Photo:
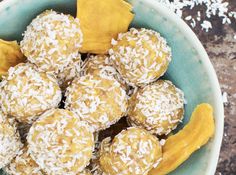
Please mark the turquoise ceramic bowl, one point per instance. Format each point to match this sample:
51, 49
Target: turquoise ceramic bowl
190, 68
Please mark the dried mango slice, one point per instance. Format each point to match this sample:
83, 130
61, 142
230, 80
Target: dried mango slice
102, 20
180, 146
10, 55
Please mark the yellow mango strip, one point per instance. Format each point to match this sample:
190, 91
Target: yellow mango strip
180, 146
102, 20
10, 55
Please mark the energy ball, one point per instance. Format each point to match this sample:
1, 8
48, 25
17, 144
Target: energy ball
71, 71
141, 56
96, 168
52, 41
100, 147
23, 164
9, 140
25, 93
158, 107
132, 151
85, 172
94, 62
60, 143
100, 101
100, 64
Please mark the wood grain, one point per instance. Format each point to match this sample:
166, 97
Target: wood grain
221, 48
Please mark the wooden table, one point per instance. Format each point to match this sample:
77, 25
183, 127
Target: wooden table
221, 48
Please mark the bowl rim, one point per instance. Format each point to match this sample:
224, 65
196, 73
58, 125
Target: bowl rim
219, 108
6, 3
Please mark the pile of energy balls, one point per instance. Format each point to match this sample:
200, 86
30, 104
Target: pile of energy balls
98, 92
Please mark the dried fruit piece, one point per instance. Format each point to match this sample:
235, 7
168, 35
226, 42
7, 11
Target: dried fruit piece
10, 55
181, 145
101, 21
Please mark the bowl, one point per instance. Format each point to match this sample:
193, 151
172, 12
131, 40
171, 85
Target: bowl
190, 69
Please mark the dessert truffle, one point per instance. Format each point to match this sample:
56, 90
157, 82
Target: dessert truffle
23, 164
158, 107
132, 151
72, 70
52, 41
9, 139
100, 101
141, 56
60, 143
25, 93
101, 64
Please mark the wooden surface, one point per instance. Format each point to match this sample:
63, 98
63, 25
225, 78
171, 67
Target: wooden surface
221, 47
222, 52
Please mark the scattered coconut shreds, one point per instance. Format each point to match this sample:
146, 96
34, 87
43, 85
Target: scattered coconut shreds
224, 97
212, 8
162, 142
206, 25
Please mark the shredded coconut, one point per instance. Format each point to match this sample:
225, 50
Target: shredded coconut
100, 100
71, 71
26, 93
60, 143
101, 64
23, 164
141, 56
10, 140
206, 25
162, 142
224, 97
52, 41
218, 8
132, 151
156, 104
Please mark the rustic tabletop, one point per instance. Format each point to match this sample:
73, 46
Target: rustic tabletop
220, 43
222, 52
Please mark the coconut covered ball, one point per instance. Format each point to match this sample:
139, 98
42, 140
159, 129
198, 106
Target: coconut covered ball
23, 164
96, 168
10, 143
25, 93
158, 107
85, 172
60, 143
132, 151
100, 148
52, 41
100, 101
94, 62
100, 64
72, 70
141, 56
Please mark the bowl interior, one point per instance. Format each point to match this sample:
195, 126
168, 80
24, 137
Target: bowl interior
190, 68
